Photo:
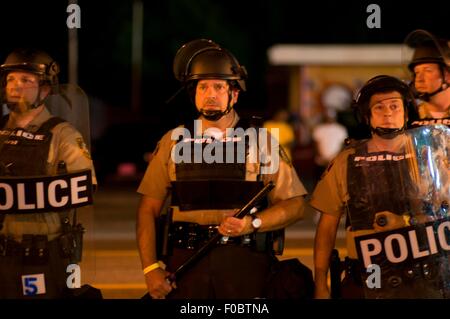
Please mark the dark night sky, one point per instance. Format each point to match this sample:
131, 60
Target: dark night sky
245, 27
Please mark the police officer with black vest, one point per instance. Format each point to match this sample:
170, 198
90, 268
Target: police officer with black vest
394, 180
206, 172
36, 247
430, 69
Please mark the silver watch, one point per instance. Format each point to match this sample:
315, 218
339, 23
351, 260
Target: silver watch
256, 222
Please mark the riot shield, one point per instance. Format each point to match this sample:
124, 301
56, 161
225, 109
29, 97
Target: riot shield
72, 104
46, 196
398, 211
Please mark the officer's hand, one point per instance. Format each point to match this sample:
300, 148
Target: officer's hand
233, 227
157, 285
386, 220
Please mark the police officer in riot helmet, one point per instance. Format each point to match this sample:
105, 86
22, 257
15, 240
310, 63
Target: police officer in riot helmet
382, 104
201, 197
430, 69
28, 78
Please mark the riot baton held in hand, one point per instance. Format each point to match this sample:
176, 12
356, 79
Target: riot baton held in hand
245, 210
212, 242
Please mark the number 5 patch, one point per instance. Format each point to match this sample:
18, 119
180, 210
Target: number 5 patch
33, 284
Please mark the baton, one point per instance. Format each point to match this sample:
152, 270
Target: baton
213, 240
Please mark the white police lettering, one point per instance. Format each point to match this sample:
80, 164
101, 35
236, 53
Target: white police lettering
431, 122
31, 195
76, 189
188, 309
24, 134
382, 158
52, 193
399, 246
9, 197
247, 308
22, 199
263, 147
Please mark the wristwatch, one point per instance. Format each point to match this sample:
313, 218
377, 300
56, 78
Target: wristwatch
256, 222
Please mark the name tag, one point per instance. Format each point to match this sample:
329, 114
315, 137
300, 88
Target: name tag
33, 284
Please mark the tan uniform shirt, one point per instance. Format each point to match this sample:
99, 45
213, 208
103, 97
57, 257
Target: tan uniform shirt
424, 111
331, 194
67, 145
161, 171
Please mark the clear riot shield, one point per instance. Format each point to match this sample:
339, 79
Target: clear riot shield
399, 216
47, 217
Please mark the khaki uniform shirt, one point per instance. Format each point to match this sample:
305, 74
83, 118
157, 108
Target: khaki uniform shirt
161, 171
66, 145
425, 113
330, 195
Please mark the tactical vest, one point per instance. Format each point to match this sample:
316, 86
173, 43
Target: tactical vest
376, 182
24, 153
220, 184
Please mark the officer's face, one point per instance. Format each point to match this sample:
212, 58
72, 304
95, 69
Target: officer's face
212, 95
427, 77
386, 110
22, 88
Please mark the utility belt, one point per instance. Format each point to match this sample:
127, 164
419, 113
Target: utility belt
36, 249
193, 236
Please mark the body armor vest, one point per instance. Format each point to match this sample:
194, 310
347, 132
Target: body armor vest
376, 182
25, 153
220, 184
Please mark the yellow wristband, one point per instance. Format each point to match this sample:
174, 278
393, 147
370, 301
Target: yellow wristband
151, 267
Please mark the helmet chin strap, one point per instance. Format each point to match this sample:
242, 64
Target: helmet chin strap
37, 102
427, 96
387, 133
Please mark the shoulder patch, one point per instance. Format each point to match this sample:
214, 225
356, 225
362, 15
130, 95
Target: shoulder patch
82, 145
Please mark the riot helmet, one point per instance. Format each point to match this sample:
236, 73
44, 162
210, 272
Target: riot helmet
204, 59
426, 48
383, 84
32, 61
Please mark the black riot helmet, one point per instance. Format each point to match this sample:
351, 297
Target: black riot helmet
383, 84
32, 61
426, 48
204, 59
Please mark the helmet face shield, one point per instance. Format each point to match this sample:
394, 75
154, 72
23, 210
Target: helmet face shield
382, 84
29, 61
423, 47
185, 55
33, 61
204, 59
